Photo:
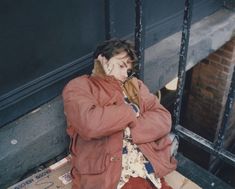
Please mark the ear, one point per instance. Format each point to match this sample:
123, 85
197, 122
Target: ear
102, 60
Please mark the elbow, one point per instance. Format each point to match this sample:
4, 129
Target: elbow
168, 121
86, 129
82, 129
89, 134
86, 134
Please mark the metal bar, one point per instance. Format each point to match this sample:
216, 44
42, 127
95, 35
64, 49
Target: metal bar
109, 19
182, 60
218, 144
205, 144
139, 37
227, 112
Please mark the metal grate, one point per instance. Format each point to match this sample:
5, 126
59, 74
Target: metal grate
215, 148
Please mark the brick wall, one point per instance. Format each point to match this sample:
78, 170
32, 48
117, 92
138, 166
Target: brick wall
208, 93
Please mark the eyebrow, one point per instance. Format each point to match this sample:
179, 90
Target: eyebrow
124, 63
128, 63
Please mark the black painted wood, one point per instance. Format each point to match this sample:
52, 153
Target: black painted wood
39, 38
205, 144
182, 60
200, 176
27, 97
32, 140
109, 19
140, 12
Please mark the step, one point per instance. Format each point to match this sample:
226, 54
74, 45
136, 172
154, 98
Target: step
58, 176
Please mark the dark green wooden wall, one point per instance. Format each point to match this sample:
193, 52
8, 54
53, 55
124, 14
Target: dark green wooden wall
45, 43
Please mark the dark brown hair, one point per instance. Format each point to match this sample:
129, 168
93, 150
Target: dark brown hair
113, 47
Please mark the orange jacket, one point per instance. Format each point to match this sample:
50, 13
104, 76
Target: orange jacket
96, 117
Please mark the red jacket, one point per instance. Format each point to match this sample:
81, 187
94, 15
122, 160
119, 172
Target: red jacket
96, 117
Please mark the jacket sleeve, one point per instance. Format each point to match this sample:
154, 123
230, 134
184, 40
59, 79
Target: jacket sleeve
154, 122
87, 117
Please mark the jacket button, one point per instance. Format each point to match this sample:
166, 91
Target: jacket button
114, 158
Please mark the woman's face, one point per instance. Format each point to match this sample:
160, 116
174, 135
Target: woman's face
118, 66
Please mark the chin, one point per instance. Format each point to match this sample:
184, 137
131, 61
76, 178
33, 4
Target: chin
123, 80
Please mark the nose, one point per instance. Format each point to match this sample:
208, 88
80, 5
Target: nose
126, 73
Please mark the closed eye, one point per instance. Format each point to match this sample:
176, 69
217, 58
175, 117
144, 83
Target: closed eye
121, 66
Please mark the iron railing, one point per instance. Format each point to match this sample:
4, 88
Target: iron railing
215, 148
140, 37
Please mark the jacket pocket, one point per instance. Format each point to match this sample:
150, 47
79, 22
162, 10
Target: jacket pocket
93, 165
92, 157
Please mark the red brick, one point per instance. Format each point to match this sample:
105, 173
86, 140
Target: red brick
232, 41
214, 57
218, 66
226, 69
218, 98
221, 87
205, 61
210, 82
225, 61
209, 71
229, 47
224, 53
207, 94
233, 58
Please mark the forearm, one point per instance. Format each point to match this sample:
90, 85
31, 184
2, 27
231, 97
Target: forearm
151, 126
154, 121
94, 121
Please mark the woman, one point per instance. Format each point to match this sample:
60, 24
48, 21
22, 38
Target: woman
119, 131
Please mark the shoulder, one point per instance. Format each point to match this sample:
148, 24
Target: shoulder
142, 86
77, 84
78, 80
139, 85
137, 81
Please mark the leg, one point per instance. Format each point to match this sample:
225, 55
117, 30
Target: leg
138, 183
